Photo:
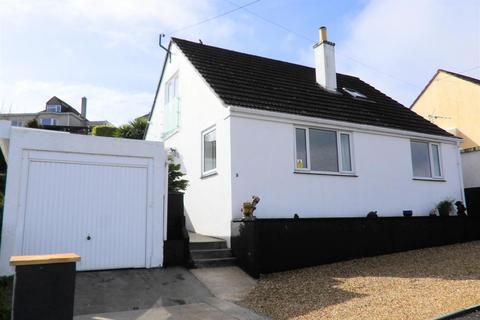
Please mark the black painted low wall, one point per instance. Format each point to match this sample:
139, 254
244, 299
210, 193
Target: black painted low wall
472, 200
272, 245
175, 248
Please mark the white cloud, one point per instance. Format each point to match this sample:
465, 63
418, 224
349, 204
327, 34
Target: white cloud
109, 104
410, 40
131, 27
122, 22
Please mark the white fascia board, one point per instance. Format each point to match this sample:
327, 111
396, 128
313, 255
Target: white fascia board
334, 124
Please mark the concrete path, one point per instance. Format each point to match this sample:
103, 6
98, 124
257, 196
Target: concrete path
212, 309
227, 283
151, 294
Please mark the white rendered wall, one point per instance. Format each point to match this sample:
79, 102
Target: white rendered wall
207, 200
471, 169
263, 158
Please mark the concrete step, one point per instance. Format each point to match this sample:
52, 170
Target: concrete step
211, 263
211, 253
208, 245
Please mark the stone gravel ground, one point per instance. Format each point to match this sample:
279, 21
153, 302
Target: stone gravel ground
419, 284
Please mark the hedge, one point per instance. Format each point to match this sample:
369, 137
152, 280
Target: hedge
105, 131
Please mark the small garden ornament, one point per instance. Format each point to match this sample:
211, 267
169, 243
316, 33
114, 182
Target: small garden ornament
461, 209
372, 215
249, 207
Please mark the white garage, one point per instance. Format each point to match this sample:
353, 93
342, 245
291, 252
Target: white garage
102, 198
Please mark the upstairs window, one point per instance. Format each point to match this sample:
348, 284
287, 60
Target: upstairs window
426, 160
171, 107
320, 150
54, 108
48, 122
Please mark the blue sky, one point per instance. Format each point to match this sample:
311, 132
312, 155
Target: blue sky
107, 50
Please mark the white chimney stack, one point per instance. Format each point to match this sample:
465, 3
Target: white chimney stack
325, 72
84, 108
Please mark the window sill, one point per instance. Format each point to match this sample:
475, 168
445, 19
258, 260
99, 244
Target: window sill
338, 174
208, 174
429, 179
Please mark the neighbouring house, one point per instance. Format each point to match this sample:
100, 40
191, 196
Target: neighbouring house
452, 102
57, 115
307, 141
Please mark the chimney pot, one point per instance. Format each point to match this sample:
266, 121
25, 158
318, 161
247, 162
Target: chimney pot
84, 108
323, 34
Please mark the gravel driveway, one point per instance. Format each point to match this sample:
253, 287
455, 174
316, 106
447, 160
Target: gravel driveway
419, 284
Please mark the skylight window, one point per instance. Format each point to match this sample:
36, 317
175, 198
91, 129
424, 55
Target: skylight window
354, 93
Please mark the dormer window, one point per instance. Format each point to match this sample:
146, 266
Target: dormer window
354, 93
54, 108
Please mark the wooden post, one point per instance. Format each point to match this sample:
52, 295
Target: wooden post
44, 286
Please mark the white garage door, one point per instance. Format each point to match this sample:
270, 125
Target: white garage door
92, 205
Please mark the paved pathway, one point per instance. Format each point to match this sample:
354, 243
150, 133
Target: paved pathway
151, 294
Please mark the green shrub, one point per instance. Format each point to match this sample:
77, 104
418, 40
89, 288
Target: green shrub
6, 284
33, 124
105, 131
176, 183
445, 207
135, 129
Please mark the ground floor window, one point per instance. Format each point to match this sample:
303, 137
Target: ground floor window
323, 150
426, 159
209, 151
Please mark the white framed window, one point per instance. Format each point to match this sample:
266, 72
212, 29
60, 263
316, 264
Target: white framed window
48, 122
16, 123
54, 108
323, 151
209, 151
426, 159
171, 89
171, 115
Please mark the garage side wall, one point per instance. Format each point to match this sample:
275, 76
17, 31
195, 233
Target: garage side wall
102, 198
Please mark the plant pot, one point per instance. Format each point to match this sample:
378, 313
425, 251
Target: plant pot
444, 212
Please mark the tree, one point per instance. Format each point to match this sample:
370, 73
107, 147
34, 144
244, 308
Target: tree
135, 129
175, 181
33, 124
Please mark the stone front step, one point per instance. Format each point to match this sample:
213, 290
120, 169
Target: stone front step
207, 252
218, 262
208, 245
211, 253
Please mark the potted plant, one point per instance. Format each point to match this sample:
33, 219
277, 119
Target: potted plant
445, 207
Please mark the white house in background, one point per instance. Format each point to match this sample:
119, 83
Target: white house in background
305, 140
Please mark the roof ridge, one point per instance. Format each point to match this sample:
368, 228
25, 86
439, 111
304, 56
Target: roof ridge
462, 76
255, 56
